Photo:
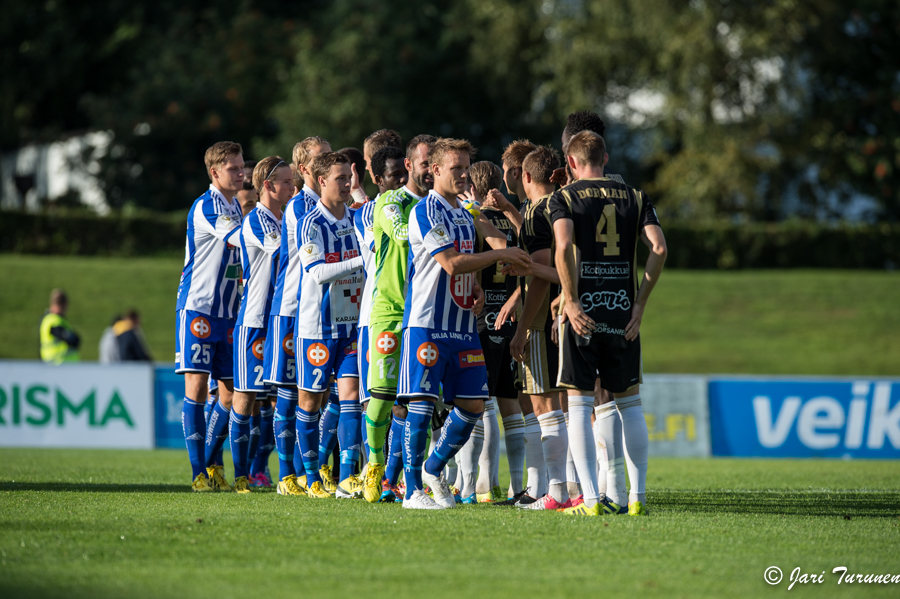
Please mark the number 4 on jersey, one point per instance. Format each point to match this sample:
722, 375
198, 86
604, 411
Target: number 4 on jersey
610, 239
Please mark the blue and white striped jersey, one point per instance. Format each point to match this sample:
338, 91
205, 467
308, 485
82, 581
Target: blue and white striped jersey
260, 245
362, 222
212, 260
329, 310
284, 303
434, 299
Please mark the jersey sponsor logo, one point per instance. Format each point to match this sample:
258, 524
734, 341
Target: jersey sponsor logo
602, 327
201, 328
317, 354
611, 300
605, 270
332, 257
464, 245
428, 354
460, 221
258, 347
495, 297
386, 343
471, 358
353, 294
461, 290
343, 232
287, 344
230, 336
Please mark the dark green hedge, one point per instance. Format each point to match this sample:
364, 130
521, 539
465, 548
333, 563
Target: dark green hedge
707, 246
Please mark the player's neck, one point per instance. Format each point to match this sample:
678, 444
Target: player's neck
415, 189
229, 195
311, 183
520, 192
337, 207
271, 204
590, 172
449, 197
540, 191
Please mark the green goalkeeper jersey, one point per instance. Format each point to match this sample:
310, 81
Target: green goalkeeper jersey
391, 233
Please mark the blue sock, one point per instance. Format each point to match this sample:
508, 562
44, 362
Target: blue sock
298, 454
216, 433
193, 424
285, 429
415, 437
307, 437
240, 443
211, 402
266, 441
328, 428
457, 430
254, 436
394, 455
349, 436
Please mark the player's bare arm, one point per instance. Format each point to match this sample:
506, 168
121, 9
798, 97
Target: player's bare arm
567, 265
496, 200
537, 291
456, 263
509, 309
653, 238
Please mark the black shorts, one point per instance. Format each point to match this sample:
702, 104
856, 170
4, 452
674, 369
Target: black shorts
616, 360
501, 368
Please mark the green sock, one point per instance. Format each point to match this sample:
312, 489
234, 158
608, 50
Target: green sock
377, 420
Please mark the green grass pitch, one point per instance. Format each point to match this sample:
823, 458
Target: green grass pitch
100, 523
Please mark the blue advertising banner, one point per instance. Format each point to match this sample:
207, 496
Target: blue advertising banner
812, 418
169, 395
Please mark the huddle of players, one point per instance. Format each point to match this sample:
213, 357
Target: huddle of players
385, 294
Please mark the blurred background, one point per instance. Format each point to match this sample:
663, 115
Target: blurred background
767, 135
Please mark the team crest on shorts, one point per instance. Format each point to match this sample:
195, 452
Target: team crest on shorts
386, 343
317, 353
428, 354
258, 347
201, 328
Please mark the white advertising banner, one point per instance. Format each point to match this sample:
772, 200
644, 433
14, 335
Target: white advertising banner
676, 408
76, 405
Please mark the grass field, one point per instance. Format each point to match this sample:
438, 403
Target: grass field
755, 322
94, 523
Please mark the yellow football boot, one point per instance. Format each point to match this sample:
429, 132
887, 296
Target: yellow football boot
288, 486
637, 508
372, 482
217, 478
317, 491
241, 485
301, 484
583, 510
327, 480
350, 488
201, 484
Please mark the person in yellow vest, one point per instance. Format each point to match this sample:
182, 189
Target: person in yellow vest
59, 342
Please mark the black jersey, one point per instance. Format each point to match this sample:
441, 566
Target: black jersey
608, 217
537, 235
497, 286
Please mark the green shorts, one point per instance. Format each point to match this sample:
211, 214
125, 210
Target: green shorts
384, 357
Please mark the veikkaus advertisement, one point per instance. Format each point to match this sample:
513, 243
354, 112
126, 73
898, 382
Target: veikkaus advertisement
76, 405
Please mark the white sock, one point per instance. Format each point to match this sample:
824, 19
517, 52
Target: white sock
489, 461
452, 469
467, 458
555, 443
534, 458
514, 437
611, 464
584, 450
571, 472
637, 444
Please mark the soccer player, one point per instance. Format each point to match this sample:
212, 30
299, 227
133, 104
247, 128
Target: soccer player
390, 235
390, 173
377, 141
260, 239
280, 361
440, 343
501, 368
327, 314
596, 223
358, 166
206, 308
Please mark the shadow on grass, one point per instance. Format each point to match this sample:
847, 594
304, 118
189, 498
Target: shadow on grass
794, 503
93, 487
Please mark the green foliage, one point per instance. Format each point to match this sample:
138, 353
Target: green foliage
112, 523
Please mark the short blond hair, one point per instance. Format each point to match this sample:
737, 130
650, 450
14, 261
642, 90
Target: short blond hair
540, 164
302, 153
381, 139
219, 153
445, 145
321, 164
587, 147
516, 152
264, 170
485, 176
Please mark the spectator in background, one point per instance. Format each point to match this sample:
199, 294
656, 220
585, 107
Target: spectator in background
59, 342
109, 347
130, 339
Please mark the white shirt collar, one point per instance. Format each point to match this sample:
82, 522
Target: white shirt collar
328, 215
262, 208
409, 191
443, 200
310, 192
